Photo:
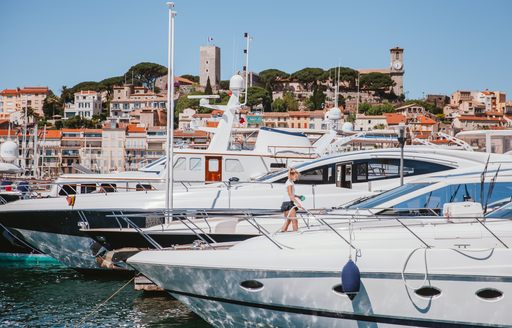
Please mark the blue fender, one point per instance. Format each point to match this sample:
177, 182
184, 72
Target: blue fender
350, 279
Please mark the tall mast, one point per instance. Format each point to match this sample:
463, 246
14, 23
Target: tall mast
170, 111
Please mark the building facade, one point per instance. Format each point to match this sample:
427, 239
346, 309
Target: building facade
17, 100
86, 105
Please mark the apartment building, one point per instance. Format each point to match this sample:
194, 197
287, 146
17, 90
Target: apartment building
16, 100
86, 105
129, 102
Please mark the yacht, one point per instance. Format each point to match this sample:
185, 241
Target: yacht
55, 227
385, 272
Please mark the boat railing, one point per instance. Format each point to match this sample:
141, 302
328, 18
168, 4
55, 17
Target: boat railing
334, 222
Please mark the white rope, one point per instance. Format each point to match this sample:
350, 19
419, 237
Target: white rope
407, 262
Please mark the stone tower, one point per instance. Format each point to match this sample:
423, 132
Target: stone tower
209, 66
396, 70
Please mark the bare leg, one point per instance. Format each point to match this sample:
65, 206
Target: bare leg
286, 222
293, 219
295, 224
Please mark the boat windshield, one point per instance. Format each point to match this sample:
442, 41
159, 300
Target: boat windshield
375, 201
487, 194
504, 212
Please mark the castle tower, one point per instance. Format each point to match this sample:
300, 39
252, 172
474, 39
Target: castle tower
209, 66
396, 70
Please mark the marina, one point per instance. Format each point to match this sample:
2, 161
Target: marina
318, 198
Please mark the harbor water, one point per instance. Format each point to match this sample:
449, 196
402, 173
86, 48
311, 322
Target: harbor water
49, 295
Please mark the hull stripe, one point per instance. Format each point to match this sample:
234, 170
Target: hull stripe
403, 321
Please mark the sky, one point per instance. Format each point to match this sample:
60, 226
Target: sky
449, 44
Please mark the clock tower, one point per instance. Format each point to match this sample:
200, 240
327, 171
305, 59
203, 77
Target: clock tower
396, 70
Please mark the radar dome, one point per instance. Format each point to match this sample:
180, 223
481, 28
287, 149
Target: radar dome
9, 151
236, 83
347, 127
334, 114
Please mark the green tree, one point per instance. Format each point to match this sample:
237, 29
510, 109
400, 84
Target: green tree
224, 85
108, 84
271, 75
68, 95
257, 96
376, 109
52, 105
208, 89
285, 104
76, 122
376, 81
309, 76
146, 73
317, 100
346, 74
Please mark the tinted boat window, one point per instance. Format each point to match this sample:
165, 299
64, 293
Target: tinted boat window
386, 168
319, 175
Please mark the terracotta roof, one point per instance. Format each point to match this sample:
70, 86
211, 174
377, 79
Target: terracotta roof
136, 129
275, 114
9, 92
425, 120
394, 119
182, 80
479, 118
93, 130
362, 117
71, 130
440, 141
198, 115
317, 113
422, 135
86, 92
53, 134
194, 133
298, 113
32, 90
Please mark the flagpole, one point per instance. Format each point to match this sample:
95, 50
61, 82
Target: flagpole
170, 112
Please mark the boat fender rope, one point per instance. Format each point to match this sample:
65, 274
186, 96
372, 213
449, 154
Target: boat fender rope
97, 308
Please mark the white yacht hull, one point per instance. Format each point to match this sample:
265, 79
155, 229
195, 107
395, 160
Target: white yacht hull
296, 293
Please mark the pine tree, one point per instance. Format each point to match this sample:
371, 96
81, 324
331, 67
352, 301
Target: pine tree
208, 89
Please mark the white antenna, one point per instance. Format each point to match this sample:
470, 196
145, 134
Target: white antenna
170, 112
248, 40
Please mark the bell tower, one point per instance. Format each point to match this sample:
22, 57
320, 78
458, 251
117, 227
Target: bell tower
396, 70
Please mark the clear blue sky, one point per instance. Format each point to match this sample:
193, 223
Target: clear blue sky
449, 45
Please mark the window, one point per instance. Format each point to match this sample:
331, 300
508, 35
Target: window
457, 193
385, 168
318, 175
180, 164
213, 165
195, 164
67, 190
233, 165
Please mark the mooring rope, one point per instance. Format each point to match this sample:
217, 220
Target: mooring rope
104, 302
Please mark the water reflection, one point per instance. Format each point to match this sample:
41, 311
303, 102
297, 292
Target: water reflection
53, 296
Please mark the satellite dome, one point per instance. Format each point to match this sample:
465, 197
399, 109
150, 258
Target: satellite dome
347, 127
236, 83
9, 151
334, 114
